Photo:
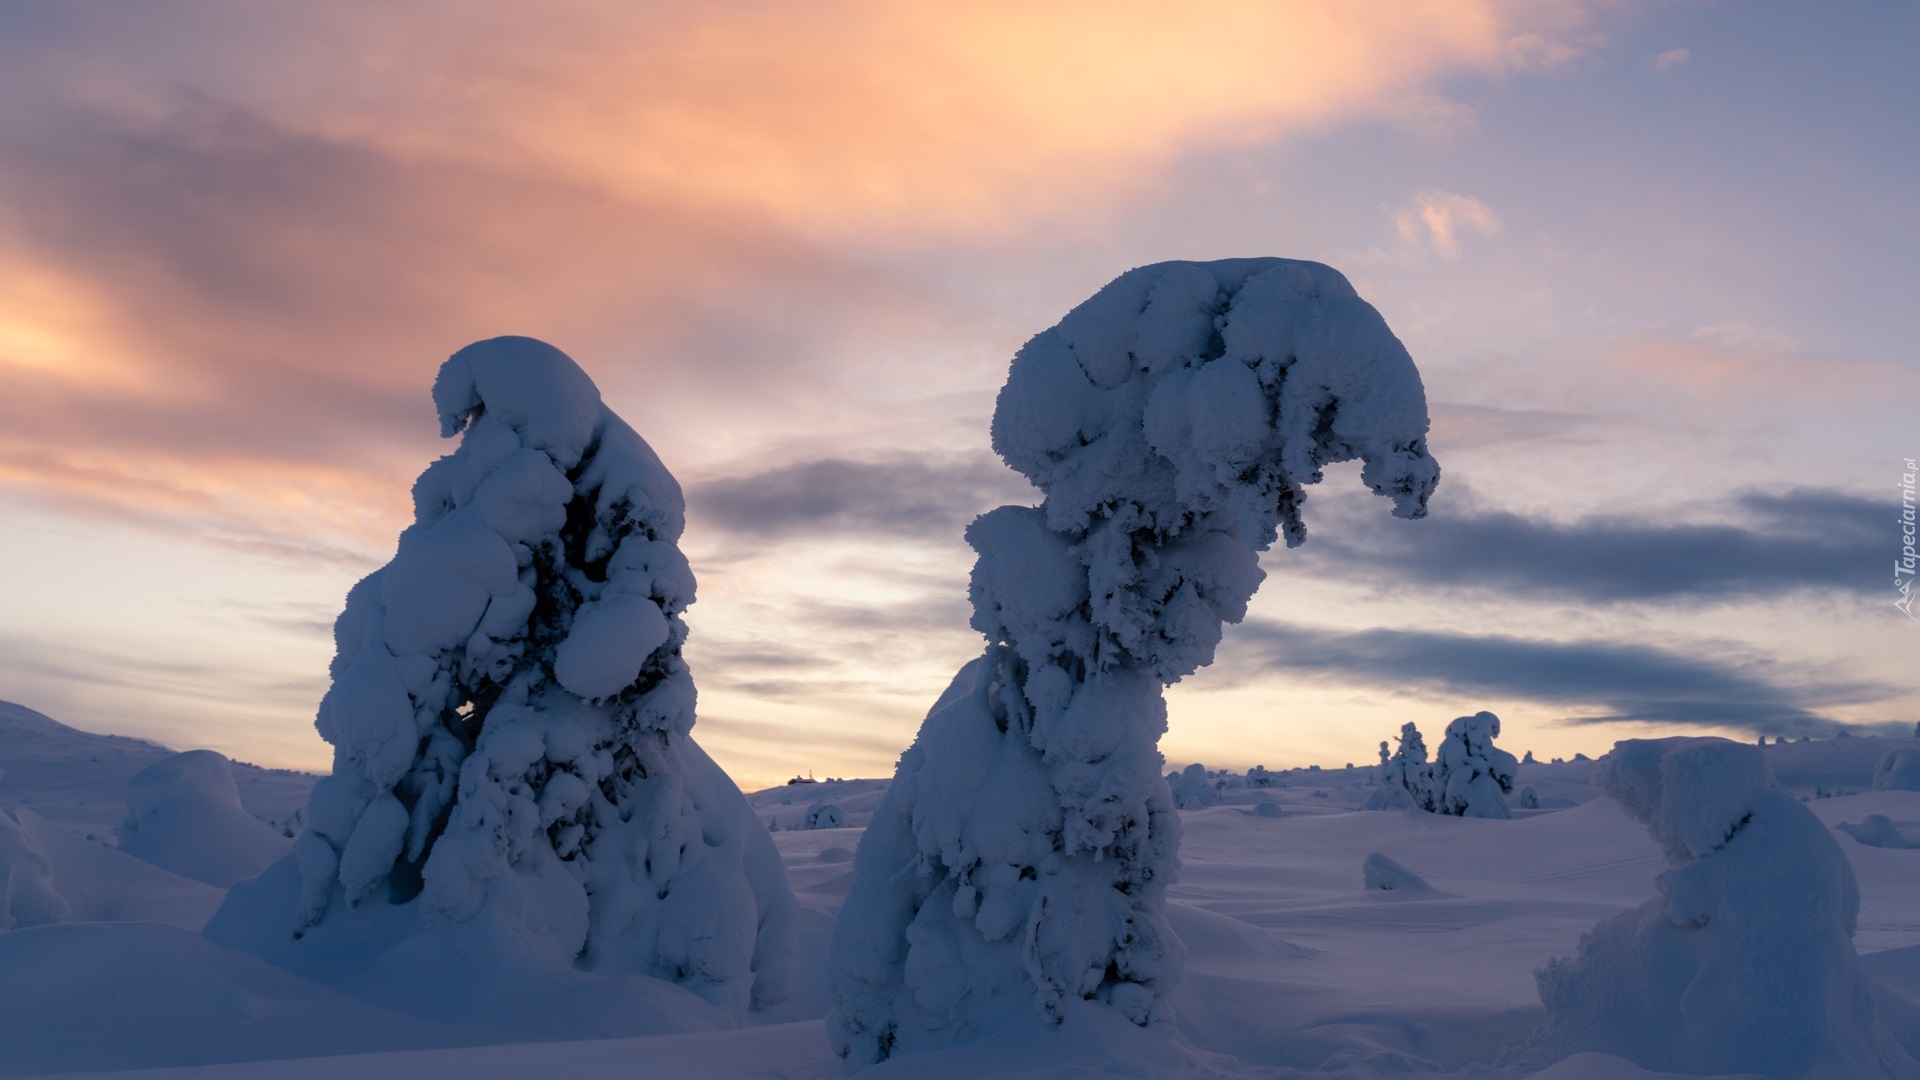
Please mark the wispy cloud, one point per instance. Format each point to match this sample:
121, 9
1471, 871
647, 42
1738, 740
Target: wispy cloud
1587, 682
913, 496
1770, 544
1670, 59
1438, 220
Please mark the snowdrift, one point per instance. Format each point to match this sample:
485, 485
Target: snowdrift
184, 816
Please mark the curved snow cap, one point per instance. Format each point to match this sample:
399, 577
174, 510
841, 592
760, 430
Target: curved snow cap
1243, 377
1692, 794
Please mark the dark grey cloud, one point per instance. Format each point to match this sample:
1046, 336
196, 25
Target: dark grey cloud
919, 497
1594, 681
1775, 542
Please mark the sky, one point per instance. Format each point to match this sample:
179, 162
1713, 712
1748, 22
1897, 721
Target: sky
1654, 260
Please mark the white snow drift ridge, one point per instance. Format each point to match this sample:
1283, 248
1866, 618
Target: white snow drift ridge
1016, 872
517, 809
1744, 962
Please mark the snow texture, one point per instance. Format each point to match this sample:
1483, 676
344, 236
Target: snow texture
184, 816
1744, 961
510, 716
1897, 770
1018, 866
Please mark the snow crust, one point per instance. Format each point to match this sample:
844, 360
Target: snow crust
514, 780
1018, 866
1744, 959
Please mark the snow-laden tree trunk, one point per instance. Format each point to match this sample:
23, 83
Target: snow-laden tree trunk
1018, 865
510, 712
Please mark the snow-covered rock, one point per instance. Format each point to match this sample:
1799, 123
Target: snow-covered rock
1016, 871
184, 816
1744, 960
1897, 770
1379, 872
516, 793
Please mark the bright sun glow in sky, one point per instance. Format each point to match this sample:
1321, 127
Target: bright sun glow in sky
1654, 260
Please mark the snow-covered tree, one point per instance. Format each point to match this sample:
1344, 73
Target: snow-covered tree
1470, 776
1744, 961
1406, 780
511, 716
1017, 868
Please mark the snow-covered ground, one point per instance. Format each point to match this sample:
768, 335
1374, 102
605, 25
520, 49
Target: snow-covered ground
1293, 965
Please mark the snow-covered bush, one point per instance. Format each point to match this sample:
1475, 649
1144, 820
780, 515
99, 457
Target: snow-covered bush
1018, 865
1470, 776
1744, 961
824, 816
27, 896
1897, 770
1192, 789
511, 716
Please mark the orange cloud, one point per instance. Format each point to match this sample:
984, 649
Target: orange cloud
235, 241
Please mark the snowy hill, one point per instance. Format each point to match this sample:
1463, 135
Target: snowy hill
79, 779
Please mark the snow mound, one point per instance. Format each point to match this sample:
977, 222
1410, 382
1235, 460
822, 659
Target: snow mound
1380, 872
1744, 960
1897, 770
516, 794
27, 896
1015, 873
184, 816
101, 884
1876, 830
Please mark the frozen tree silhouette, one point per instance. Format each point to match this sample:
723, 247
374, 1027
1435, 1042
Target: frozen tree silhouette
511, 716
1018, 865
